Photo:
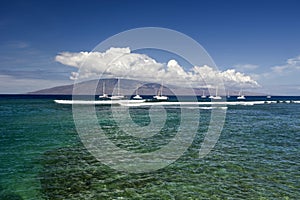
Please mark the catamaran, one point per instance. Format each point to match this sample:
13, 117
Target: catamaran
118, 96
159, 96
215, 97
104, 96
241, 96
137, 96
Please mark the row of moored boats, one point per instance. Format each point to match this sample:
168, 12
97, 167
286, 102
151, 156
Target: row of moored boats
159, 96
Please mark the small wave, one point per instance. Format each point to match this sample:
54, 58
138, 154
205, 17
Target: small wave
137, 103
108, 102
210, 108
205, 108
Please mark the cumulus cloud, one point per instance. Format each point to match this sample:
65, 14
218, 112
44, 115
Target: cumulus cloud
114, 61
230, 77
121, 62
292, 64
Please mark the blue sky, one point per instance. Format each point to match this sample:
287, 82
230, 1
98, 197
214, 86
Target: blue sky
259, 38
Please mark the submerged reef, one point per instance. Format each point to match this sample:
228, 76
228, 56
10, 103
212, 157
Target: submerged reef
73, 173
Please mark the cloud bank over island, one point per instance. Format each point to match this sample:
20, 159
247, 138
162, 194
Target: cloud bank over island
121, 62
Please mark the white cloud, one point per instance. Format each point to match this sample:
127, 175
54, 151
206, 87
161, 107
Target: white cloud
280, 79
230, 77
245, 67
74, 76
291, 65
121, 62
16, 45
115, 61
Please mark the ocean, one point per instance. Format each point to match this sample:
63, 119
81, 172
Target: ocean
257, 155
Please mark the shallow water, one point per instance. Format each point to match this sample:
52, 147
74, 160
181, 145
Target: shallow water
256, 157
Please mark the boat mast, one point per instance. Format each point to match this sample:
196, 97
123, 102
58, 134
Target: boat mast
103, 88
118, 87
240, 93
161, 88
137, 90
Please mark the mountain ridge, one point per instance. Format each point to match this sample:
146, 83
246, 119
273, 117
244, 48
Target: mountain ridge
127, 87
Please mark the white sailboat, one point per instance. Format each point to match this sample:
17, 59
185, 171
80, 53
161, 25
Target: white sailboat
203, 96
137, 96
159, 96
104, 96
228, 94
215, 97
118, 96
241, 96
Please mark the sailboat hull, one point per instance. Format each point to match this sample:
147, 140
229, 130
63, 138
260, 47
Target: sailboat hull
137, 97
160, 98
241, 97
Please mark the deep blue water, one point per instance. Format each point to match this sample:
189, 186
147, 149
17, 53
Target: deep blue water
256, 157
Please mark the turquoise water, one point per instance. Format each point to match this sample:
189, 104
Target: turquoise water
256, 157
